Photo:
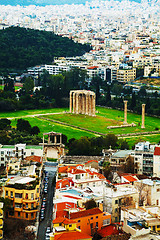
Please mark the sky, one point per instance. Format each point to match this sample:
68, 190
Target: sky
43, 2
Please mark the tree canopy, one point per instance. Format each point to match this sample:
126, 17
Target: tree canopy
21, 48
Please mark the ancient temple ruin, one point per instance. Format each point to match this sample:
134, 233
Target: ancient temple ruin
82, 102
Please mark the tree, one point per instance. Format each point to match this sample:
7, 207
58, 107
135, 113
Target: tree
35, 130
5, 124
133, 101
123, 144
96, 84
28, 85
128, 167
7, 204
90, 204
110, 140
23, 125
106, 169
9, 85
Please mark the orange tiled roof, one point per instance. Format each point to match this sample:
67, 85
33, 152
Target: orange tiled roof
85, 213
65, 182
91, 161
72, 236
130, 178
77, 171
108, 231
63, 220
34, 158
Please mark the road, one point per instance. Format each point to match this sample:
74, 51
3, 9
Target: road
50, 167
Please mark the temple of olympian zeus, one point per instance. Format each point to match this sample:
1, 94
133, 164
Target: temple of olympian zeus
82, 102
143, 114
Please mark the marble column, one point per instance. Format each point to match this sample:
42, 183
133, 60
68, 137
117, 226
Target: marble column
87, 104
94, 104
74, 102
83, 104
77, 103
125, 112
143, 116
71, 101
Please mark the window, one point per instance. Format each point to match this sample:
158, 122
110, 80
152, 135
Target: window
32, 215
79, 227
91, 218
106, 222
26, 205
18, 195
32, 196
97, 224
11, 194
116, 210
6, 193
18, 214
70, 225
77, 177
32, 205
32, 153
26, 215
96, 217
116, 201
91, 225
79, 220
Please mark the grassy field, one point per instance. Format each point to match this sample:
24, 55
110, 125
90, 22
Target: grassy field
47, 126
108, 117
104, 118
24, 113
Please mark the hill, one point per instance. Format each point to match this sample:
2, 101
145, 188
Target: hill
21, 48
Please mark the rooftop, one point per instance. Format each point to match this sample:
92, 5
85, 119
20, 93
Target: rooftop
85, 213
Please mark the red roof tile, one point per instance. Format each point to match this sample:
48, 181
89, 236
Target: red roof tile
108, 230
130, 178
63, 220
66, 182
77, 171
85, 213
157, 151
34, 158
72, 236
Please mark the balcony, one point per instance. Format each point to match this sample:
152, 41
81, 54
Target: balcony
25, 200
29, 210
18, 200
1, 223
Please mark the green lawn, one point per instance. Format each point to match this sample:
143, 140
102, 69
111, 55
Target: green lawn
108, 117
104, 117
47, 126
24, 113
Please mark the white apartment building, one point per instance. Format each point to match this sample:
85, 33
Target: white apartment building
19, 151
143, 158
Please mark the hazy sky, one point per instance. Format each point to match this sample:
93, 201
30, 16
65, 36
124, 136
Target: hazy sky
40, 2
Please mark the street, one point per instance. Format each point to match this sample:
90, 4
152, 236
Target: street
51, 169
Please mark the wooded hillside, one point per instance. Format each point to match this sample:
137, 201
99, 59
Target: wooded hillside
21, 48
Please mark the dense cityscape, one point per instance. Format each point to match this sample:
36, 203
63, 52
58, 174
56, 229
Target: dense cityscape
80, 120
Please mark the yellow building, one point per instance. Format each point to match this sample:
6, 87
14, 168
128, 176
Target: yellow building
1, 220
126, 75
24, 193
